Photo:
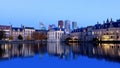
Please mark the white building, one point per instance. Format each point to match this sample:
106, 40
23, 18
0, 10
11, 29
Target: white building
28, 31
55, 34
67, 26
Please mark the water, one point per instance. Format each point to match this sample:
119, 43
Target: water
59, 55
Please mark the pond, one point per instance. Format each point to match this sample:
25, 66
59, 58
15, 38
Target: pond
59, 55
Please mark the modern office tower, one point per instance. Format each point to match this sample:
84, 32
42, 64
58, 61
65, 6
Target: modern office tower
74, 25
60, 24
67, 26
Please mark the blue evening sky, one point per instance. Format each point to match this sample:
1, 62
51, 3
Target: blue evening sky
31, 12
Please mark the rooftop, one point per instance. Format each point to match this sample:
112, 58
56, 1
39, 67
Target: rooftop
29, 27
17, 29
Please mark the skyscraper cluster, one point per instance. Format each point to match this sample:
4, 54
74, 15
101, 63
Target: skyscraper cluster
67, 25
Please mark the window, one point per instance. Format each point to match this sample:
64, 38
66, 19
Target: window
111, 37
106, 33
92, 33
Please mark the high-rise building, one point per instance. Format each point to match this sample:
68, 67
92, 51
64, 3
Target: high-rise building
67, 26
60, 24
74, 25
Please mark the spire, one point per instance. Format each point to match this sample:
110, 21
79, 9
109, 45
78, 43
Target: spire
111, 20
107, 21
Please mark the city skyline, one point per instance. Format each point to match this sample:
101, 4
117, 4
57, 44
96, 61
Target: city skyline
59, 33
30, 13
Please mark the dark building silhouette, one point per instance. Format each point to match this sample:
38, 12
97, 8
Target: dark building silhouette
60, 24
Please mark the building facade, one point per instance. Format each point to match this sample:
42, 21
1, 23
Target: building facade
56, 34
108, 31
28, 31
16, 31
40, 34
74, 25
60, 24
7, 30
67, 26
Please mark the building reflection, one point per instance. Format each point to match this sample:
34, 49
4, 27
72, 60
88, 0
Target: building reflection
58, 49
8, 51
109, 52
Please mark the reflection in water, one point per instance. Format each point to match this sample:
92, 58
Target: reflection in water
109, 52
60, 50
8, 51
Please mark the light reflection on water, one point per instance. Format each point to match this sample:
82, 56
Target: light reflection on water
108, 52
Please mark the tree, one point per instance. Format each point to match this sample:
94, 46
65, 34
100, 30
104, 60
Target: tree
10, 37
2, 35
28, 38
68, 39
95, 40
20, 37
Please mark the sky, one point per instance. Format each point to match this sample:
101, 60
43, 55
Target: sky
31, 12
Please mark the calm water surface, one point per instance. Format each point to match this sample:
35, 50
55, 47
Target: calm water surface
59, 55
